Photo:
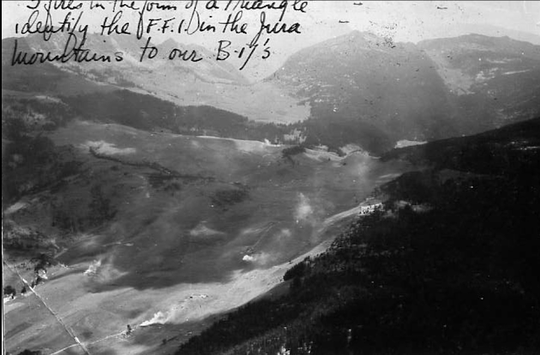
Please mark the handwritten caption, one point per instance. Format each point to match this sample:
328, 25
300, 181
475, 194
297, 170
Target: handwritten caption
246, 29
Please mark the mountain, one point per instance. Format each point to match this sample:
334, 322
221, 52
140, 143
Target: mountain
131, 66
364, 83
144, 202
42, 78
447, 264
493, 80
395, 91
357, 88
184, 82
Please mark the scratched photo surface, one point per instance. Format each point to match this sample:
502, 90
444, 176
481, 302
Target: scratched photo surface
270, 177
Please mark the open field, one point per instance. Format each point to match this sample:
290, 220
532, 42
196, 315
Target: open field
202, 225
261, 101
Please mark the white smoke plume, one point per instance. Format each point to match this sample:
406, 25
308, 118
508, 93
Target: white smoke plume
178, 311
259, 259
303, 211
103, 147
248, 258
158, 318
93, 268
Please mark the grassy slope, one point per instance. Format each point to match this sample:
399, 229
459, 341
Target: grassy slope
169, 238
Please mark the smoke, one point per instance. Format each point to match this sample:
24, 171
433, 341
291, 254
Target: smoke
103, 147
158, 318
303, 211
201, 230
308, 212
248, 258
259, 259
93, 268
284, 234
178, 311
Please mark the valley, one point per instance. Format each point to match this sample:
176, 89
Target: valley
338, 206
180, 247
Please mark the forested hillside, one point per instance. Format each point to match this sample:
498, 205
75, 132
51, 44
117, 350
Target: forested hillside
448, 265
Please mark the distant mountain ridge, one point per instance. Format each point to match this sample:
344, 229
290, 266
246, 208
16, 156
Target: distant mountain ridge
357, 88
205, 82
212, 71
493, 80
436, 89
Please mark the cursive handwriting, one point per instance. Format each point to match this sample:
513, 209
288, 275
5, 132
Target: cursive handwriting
73, 51
260, 5
274, 28
69, 24
72, 22
56, 5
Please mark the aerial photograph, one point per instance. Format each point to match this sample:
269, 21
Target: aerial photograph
287, 177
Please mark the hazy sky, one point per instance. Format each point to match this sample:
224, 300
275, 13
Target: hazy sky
399, 20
